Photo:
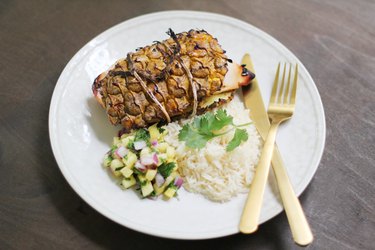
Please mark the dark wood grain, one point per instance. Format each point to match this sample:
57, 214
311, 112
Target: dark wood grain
38, 209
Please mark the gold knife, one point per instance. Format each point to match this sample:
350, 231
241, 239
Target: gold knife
298, 224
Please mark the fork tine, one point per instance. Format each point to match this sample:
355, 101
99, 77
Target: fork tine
274, 88
286, 94
281, 90
294, 89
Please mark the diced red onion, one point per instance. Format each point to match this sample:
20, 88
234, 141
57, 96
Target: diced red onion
155, 158
178, 182
154, 143
121, 152
153, 167
159, 180
138, 145
138, 165
147, 160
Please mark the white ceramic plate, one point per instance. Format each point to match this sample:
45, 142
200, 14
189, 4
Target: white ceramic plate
80, 133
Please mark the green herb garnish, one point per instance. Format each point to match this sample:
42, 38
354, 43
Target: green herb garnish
161, 130
206, 127
130, 145
240, 135
166, 169
136, 171
142, 135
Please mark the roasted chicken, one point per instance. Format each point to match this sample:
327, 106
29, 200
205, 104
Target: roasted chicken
184, 75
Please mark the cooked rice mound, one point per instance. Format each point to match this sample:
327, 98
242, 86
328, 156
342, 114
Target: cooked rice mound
211, 171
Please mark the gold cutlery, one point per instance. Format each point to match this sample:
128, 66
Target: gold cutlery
253, 100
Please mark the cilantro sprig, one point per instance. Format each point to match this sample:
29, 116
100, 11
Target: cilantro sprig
142, 135
166, 169
206, 127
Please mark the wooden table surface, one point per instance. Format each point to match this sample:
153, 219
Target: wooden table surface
334, 39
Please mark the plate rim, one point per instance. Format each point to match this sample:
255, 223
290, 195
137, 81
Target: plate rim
86, 48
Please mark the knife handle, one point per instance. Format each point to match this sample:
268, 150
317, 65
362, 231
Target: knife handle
298, 224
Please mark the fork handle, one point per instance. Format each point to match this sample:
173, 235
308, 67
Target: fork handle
250, 215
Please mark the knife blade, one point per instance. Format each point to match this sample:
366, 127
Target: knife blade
253, 100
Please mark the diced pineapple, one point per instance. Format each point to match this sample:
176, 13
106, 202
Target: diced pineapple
125, 141
130, 159
169, 193
170, 179
130, 136
116, 140
154, 132
116, 166
126, 171
150, 174
158, 190
170, 152
128, 182
176, 164
147, 189
161, 159
123, 136
145, 151
162, 147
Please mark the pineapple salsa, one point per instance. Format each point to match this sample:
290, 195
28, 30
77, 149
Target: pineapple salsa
144, 159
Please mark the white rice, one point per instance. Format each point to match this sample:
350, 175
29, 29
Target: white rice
211, 171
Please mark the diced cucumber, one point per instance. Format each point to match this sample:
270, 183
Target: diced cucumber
116, 166
126, 171
169, 193
154, 132
142, 179
170, 152
147, 189
128, 182
130, 159
162, 147
107, 160
150, 174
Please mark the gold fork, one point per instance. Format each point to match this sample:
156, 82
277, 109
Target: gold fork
281, 108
